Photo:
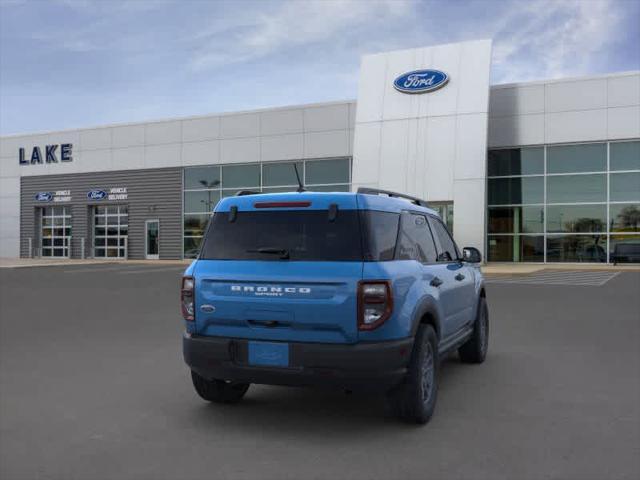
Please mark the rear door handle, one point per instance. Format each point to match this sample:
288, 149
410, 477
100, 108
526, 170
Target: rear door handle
435, 282
459, 277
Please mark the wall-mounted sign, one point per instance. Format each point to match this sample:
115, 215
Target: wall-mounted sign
97, 195
50, 154
420, 81
118, 193
57, 196
44, 196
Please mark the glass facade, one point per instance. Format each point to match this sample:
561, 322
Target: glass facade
205, 186
55, 233
564, 203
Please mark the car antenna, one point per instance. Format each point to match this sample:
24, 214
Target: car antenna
300, 185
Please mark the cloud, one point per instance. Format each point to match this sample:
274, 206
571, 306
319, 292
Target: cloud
550, 39
288, 25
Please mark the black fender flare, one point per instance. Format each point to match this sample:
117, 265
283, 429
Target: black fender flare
427, 306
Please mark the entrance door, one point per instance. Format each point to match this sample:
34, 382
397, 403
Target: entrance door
152, 239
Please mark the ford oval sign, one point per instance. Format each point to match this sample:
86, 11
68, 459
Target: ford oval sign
44, 196
420, 81
97, 195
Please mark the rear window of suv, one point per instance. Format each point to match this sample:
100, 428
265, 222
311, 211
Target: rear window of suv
306, 235
303, 235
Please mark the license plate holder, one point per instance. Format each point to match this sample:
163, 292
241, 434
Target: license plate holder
268, 354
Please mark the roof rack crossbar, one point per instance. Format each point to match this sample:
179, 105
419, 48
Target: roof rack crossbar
377, 191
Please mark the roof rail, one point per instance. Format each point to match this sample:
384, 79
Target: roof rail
242, 193
377, 191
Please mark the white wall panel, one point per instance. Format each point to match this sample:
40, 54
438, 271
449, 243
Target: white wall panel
158, 156
95, 138
201, 153
326, 117
128, 158
366, 153
475, 64
576, 95
282, 147
624, 90
9, 167
9, 146
393, 155
240, 150
623, 122
9, 187
278, 122
128, 136
240, 125
585, 125
471, 146
371, 88
469, 213
163, 132
440, 148
516, 130
518, 100
326, 144
199, 129
96, 160
443, 101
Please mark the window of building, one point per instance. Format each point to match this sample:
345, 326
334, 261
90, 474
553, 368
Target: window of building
516, 161
205, 186
55, 233
583, 207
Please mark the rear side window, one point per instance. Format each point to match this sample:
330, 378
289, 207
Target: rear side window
380, 233
414, 240
447, 248
305, 235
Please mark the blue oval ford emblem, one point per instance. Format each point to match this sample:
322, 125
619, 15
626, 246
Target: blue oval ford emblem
97, 195
420, 81
44, 196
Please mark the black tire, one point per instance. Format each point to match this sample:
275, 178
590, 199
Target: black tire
475, 349
415, 399
218, 391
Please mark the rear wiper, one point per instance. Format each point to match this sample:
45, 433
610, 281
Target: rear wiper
284, 253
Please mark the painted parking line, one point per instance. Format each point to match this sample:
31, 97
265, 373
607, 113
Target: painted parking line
580, 278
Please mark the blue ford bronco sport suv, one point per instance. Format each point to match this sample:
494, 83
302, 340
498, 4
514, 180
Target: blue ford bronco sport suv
353, 290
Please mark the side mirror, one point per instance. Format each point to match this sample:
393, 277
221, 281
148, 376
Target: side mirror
471, 255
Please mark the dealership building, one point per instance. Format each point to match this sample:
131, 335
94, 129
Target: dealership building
544, 171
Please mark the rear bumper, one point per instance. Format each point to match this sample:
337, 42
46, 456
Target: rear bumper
378, 365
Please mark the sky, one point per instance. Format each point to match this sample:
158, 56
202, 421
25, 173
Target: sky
79, 63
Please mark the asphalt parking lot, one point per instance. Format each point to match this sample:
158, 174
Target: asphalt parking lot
92, 386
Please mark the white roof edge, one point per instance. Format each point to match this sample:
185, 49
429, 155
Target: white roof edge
566, 79
180, 119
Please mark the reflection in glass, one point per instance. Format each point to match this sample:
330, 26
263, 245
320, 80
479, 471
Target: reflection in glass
516, 191
194, 225
202, 201
515, 248
624, 187
624, 155
576, 218
201, 177
516, 161
327, 171
576, 248
624, 249
624, 217
241, 176
516, 219
591, 157
279, 174
576, 188
192, 246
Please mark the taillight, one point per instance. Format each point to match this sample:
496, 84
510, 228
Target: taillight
187, 298
375, 303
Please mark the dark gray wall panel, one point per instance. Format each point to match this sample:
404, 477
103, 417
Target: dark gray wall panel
153, 193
